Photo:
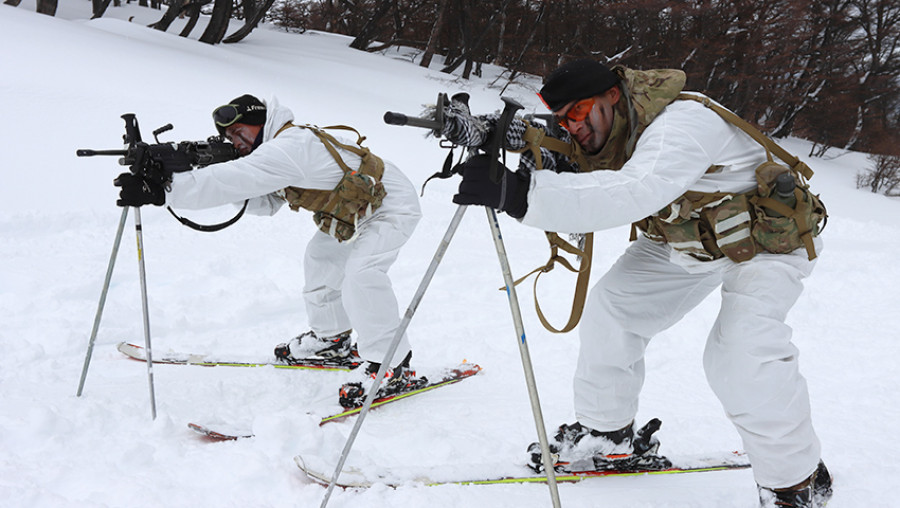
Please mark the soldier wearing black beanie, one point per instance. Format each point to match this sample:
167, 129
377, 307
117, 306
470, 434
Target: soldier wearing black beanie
576, 80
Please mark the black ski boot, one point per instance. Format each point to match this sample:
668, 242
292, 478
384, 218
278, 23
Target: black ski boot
308, 345
400, 379
814, 492
579, 448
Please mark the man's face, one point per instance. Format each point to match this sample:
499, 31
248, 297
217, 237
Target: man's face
242, 136
592, 130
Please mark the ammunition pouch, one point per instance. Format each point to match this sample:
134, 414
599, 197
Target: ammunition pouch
709, 226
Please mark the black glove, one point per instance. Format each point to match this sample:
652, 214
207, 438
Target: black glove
137, 192
510, 195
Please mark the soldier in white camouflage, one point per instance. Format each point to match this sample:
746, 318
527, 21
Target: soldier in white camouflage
639, 150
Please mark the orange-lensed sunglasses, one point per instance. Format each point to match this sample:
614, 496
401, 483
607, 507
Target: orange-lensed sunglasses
576, 113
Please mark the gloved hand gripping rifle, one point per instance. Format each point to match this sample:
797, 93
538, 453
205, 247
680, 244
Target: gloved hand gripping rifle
490, 134
492, 147
155, 163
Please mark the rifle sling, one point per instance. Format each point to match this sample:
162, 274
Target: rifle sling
581, 284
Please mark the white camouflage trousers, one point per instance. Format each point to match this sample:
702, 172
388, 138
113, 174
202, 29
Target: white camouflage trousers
750, 362
347, 285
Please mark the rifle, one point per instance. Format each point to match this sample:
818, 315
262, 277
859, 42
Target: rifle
164, 158
157, 162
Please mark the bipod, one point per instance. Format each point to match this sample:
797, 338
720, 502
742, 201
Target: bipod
496, 171
144, 306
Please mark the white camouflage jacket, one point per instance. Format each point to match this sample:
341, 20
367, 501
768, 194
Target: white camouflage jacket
295, 158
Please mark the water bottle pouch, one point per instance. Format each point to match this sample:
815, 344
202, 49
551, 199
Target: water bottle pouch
781, 227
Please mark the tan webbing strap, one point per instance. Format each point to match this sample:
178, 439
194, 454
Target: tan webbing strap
284, 128
329, 142
581, 284
535, 139
753, 132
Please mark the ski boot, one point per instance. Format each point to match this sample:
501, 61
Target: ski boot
308, 345
578, 448
814, 492
398, 380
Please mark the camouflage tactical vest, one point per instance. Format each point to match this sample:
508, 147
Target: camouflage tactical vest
359, 192
712, 225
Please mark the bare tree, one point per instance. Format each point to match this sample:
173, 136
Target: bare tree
176, 7
98, 8
250, 21
435, 32
218, 22
46, 7
472, 42
369, 30
878, 65
884, 176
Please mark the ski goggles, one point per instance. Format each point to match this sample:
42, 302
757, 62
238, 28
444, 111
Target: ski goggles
226, 115
577, 113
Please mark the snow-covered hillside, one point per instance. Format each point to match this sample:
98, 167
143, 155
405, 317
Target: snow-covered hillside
65, 81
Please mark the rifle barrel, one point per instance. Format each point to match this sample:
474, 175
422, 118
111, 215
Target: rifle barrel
393, 118
86, 152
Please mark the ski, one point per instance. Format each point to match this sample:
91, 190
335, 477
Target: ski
318, 471
174, 358
219, 435
450, 376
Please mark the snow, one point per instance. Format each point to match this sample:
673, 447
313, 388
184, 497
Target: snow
65, 82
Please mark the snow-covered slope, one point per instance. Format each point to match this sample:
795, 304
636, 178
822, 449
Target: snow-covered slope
65, 82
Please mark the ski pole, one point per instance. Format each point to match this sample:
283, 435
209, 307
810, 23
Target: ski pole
102, 303
144, 306
526, 357
401, 329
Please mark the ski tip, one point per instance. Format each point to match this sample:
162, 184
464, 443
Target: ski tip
317, 477
132, 351
217, 435
467, 369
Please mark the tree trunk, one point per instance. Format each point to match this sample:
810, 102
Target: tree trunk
248, 9
250, 23
370, 29
47, 7
169, 16
435, 33
218, 22
474, 45
14, 3
98, 8
193, 10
